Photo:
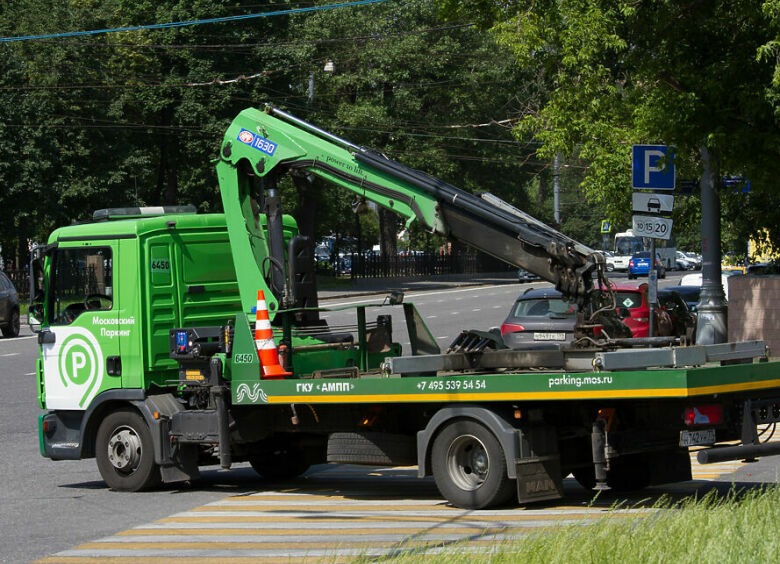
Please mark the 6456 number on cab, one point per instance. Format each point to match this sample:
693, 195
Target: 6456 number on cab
653, 227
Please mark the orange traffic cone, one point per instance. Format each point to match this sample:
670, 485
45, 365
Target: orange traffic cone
264, 341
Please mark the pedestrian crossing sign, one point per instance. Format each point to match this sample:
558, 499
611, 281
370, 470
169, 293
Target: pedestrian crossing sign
606, 226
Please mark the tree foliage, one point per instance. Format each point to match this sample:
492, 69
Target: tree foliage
679, 72
134, 118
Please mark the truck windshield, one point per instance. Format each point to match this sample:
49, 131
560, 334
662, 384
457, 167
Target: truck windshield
82, 281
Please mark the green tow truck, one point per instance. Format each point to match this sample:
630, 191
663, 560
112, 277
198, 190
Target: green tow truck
147, 320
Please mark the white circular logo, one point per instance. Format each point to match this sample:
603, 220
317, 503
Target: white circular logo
81, 364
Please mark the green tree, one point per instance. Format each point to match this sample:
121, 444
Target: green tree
684, 73
422, 91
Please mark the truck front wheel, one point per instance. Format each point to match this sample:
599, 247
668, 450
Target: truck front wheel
124, 452
469, 466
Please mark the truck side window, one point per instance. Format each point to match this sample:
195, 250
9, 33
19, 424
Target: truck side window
83, 281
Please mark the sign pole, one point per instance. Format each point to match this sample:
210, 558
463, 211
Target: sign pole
652, 289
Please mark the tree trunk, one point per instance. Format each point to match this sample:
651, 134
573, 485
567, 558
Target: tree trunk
388, 244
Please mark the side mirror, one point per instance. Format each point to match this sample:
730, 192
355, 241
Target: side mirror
34, 317
396, 297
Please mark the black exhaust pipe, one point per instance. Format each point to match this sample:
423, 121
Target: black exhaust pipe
721, 454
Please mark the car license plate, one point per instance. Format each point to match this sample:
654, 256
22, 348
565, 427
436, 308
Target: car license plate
693, 438
539, 336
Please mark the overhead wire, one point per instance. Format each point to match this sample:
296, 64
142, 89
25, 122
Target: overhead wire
192, 22
228, 46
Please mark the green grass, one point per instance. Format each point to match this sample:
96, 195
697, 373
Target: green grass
333, 283
738, 527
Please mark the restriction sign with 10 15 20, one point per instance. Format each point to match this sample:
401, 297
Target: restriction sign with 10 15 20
653, 227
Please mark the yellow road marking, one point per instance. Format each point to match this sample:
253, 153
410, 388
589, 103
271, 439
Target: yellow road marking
387, 510
185, 560
321, 532
384, 518
215, 545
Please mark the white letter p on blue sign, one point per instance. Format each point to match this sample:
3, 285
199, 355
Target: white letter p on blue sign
653, 167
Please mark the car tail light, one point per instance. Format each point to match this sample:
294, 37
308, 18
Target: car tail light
642, 319
631, 263
703, 415
511, 328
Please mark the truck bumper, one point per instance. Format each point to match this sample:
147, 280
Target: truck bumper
60, 434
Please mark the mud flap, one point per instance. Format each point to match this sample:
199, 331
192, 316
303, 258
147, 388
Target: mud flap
185, 466
538, 466
179, 462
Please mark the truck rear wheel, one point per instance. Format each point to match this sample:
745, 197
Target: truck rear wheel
279, 462
469, 466
124, 452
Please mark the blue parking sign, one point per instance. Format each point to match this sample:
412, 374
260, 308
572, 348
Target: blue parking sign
653, 167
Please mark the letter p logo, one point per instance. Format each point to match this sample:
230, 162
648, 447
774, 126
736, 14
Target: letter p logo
653, 160
653, 167
79, 360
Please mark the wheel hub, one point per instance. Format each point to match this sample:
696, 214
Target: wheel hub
124, 449
468, 463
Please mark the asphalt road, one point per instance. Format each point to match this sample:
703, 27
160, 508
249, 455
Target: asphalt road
48, 507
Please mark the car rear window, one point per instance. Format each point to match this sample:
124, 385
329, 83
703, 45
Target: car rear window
631, 300
544, 307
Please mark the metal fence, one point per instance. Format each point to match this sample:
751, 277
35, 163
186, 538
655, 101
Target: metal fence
372, 265
365, 265
21, 279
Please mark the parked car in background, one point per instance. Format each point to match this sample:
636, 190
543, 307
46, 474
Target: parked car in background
9, 307
539, 315
634, 311
689, 294
733, 268
525, 276
683, 319
609, 257
321, 253
763, 268
695, 260
696, 280
639, 265
682, 262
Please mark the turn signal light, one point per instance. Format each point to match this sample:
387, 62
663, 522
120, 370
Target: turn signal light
703, 415
511, 328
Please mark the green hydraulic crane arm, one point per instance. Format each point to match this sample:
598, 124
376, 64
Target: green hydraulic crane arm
266, 143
